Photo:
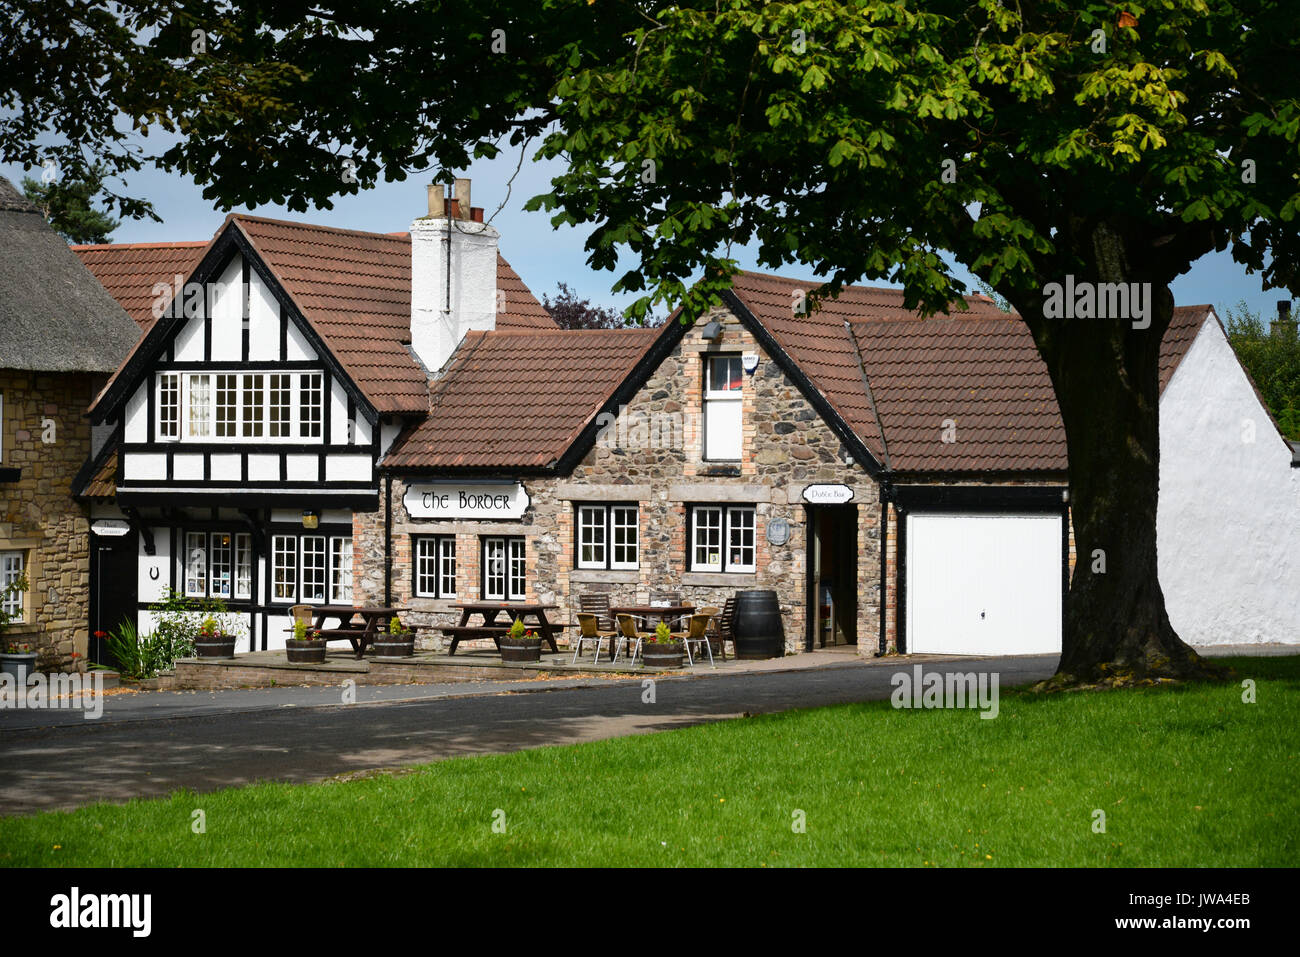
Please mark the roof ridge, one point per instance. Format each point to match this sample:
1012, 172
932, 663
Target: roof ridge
248, 217
815, 282
176, 244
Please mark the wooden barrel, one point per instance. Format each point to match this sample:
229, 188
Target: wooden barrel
756, 625
655, 654
521, 649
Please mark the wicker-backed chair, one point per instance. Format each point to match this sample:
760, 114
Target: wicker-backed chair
597, 603
303, 613
628, 635
589, 630
695, 635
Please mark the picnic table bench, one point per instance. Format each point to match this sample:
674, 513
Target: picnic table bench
490, 610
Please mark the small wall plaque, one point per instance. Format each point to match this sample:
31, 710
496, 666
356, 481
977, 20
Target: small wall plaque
778, 531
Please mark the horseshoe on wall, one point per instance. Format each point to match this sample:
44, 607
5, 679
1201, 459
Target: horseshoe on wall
153, 573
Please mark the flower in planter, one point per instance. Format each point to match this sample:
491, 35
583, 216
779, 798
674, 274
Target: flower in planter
209, 629
19, 648
663, 635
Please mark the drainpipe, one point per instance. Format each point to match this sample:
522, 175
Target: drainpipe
388, 540
884, 550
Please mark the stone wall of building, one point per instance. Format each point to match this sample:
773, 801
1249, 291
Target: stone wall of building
46, 436
652, 456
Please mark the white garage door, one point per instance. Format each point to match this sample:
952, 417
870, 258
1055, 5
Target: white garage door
983, 584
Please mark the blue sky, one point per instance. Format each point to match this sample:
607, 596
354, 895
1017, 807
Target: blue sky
540, 254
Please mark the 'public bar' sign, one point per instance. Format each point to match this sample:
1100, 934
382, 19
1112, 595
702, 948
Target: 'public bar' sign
498, 500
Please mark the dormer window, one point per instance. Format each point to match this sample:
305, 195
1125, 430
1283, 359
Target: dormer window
238, 406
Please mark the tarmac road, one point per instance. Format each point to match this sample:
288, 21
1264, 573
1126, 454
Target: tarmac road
57, 760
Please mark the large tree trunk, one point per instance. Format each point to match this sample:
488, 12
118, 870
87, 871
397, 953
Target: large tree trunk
1106, 376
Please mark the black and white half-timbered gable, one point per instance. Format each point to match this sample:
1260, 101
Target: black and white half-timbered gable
277, 364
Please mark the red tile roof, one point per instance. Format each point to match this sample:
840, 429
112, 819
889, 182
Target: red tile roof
519, 399
353, 287
818, 342
129, 270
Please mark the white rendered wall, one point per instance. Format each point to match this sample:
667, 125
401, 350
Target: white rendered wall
263, 320
1228, 526
227, 303
435, 332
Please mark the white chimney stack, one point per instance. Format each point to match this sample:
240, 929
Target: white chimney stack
453, 275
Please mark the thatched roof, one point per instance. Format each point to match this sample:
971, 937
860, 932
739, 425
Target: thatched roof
54, 315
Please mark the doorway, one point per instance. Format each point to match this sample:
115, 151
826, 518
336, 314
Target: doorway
112, 590
832, 576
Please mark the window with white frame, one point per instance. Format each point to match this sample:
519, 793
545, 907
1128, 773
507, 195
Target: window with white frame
278, 415
435, 566
226, 405
504, 569
234, 406
723, 394
310, 405
284, 567
608, 536
12, 565
253, 412
723, 538
243, 566
308, 568
313, 568
218, 565
169, 406
198, 398
340, 569
196, 564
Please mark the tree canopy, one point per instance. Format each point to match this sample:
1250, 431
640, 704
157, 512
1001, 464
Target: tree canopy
68, 207
1081, 145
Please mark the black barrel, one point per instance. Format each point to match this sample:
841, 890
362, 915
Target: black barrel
756, 625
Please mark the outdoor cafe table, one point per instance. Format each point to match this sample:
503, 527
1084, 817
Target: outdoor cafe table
513, 609
374, 621
660, 612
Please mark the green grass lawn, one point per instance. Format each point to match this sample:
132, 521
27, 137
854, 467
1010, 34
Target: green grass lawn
1187, 777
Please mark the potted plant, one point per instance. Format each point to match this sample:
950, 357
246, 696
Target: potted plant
398, 643
19, 660
211, 642
306, 647
521, 644
663, 649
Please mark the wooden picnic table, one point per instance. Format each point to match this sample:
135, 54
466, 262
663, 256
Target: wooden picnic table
490, 610
374, 622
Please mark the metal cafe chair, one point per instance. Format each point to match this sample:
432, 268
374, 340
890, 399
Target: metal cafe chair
713, 632
628, 635
589, 630
597, 603
696, 636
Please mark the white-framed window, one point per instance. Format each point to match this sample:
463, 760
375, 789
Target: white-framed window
340, 569
198, 399
253, 409
284, 567
311, 405
279, 423
221, 564
723, 395
313, 568
435, 566
226, 405
237, 406
243, 565
723, 538
505, 568
169, 406
12, 565
196, 564
218, 565
608, 536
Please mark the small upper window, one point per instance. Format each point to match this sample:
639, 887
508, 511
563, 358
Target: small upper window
723, 394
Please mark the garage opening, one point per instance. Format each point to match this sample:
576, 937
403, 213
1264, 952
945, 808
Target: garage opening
832, 576
983, 583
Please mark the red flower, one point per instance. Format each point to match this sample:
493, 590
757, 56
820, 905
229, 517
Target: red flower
101, 634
